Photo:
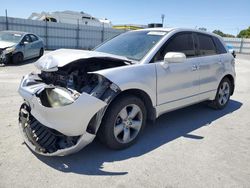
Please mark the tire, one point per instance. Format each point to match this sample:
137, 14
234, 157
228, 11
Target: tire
223, 94
17, 58
41, 52
118, 130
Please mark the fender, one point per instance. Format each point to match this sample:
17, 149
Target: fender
133, 77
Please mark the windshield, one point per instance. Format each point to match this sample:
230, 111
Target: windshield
10, 37
133, 45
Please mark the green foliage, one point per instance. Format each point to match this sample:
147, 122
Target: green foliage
218, 32
245, 33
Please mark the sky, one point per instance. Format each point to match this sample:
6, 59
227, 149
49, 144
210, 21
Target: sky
226, 15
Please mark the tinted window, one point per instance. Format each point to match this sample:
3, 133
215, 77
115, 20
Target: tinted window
26, 38
33, 38
180, 43
206, 44
219, 46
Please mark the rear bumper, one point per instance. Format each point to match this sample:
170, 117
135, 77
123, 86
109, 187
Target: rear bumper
70, 121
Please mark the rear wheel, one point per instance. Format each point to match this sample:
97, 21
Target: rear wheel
223, 94
17, 58
123, 122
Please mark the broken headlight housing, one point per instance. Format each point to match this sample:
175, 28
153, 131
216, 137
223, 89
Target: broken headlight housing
58, 97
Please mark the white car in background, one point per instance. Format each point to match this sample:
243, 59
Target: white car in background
112, 90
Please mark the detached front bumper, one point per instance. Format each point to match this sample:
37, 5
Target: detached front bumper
65, 127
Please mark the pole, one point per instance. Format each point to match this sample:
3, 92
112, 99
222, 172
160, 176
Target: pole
162, 19
241, 45
46, 32
102, 31
6, 17
77, 34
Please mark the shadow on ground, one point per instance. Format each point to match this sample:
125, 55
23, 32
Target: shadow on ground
20, 64
168, 127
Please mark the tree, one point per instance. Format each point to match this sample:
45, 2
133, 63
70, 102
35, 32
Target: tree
202, 28
218, 32
245, 33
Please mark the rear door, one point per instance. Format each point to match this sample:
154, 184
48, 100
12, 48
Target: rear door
210, 62
27, 47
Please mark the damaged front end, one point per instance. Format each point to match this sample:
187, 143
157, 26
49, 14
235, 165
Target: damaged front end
63, 108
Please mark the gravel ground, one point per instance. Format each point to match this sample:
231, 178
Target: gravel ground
192, 147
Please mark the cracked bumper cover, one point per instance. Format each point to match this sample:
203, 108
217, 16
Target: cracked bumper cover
70, 120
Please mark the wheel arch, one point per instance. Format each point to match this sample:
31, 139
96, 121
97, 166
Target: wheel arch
151, 112
232, 80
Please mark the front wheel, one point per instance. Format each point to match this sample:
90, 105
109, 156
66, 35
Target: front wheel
222, 95
123, 122
17, 58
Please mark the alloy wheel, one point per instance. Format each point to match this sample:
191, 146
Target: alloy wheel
128, 123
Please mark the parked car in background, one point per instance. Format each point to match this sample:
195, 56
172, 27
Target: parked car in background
111, 91
16, 46
231, 50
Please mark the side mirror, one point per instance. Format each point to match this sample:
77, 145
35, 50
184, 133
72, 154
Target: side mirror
24, 43
174, 57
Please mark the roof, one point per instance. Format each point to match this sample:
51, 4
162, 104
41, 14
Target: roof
169, 29
16, 32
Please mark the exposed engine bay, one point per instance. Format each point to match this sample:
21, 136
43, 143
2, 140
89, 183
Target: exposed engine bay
63, 88
77, 75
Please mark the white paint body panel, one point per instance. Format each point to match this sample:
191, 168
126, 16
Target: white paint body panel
139, 76
62, 57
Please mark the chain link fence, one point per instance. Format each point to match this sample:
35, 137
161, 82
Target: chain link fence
241, 45
60, 35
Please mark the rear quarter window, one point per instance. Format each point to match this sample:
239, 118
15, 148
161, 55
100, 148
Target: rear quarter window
220, 48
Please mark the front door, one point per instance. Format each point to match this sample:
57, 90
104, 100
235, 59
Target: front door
27, 47
178, 84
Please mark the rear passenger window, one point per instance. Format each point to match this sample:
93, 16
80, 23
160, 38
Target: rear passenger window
207, 46
220, 48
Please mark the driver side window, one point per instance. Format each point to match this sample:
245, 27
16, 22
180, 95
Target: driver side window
26, 38
181, 42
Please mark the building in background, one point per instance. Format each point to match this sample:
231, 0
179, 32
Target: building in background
71, 17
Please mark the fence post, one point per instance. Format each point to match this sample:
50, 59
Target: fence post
46, 33
6, 17
77, 34
102, 32
241, 45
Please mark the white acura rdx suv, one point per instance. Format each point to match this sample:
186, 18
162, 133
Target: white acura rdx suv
112, 90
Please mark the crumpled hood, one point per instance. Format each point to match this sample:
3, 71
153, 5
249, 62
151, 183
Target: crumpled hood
59, 58
5, 44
